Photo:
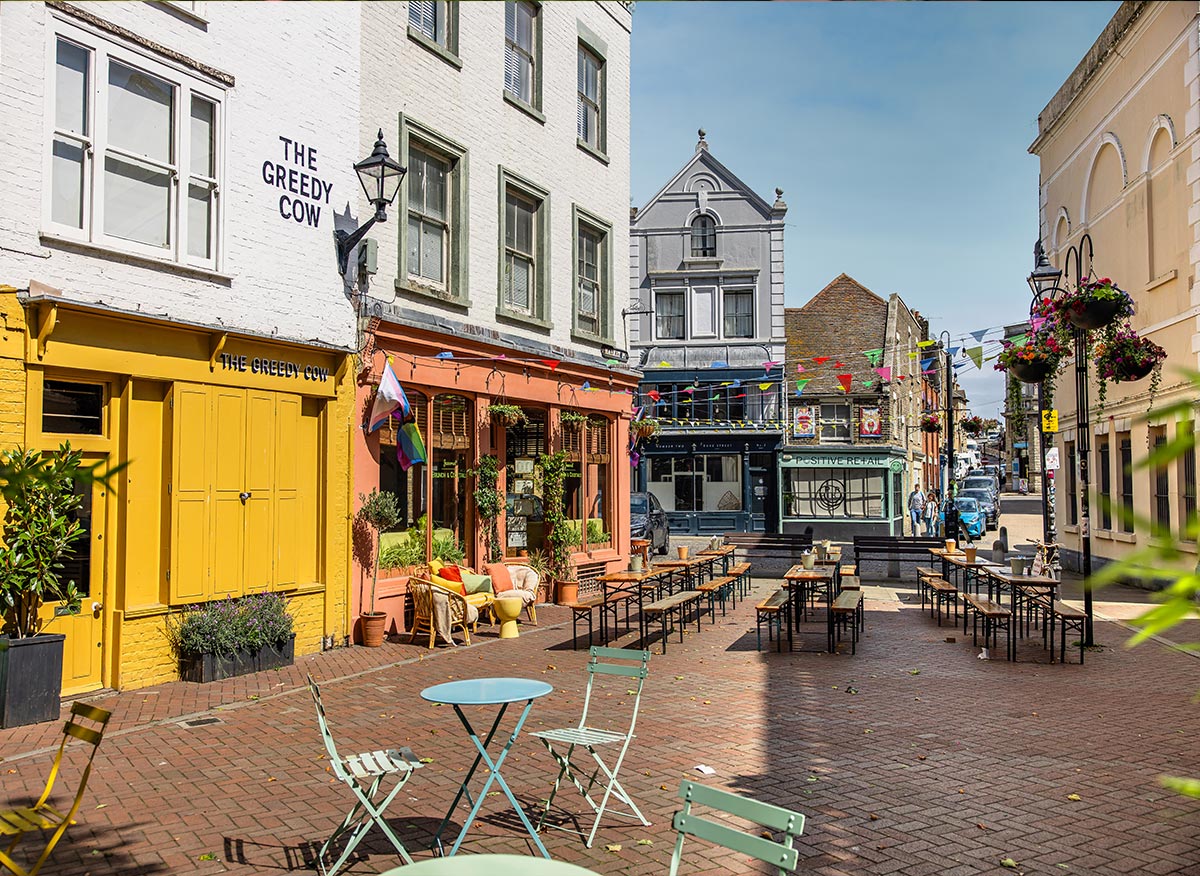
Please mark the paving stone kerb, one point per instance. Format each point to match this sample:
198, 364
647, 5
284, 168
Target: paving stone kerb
912, 757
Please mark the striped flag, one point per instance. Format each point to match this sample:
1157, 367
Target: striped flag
389, 399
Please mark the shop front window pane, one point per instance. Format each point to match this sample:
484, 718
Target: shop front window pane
838, 493
72, 408
451, 456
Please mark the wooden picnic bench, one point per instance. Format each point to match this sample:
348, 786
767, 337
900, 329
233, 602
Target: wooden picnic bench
719, 588
1071, 617
846, 610
942, 592
773, 612
580, 610
995, 617
741, 571
772, 553
893, 549
674, 606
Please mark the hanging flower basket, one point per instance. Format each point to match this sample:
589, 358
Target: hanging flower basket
931, 423
1035, 370
1126, 357
972, 425
506, 415
645, 428
572, 421
1098, 303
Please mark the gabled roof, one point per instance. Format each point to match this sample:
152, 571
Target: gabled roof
841, 321
841, 285
704, 156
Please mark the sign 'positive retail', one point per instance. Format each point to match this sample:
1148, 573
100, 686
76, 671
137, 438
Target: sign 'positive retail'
296, 176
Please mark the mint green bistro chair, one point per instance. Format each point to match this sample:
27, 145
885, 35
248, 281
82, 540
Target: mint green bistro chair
775, 818
364, 774
572, 742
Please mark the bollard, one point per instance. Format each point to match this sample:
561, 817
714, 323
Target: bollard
1002, 534
998, 552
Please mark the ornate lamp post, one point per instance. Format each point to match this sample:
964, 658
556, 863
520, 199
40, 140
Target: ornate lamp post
380, 176
1044, 283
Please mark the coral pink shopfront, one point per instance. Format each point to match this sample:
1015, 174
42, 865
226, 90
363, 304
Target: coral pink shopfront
450, 383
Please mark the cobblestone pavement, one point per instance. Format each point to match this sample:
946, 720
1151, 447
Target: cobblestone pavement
912, 757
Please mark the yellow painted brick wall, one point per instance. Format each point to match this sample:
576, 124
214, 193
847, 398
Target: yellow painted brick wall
12, 371
339, 466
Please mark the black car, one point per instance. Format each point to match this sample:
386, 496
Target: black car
987, 502
648, 520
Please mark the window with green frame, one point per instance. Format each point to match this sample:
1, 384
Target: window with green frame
524, 271
593, 276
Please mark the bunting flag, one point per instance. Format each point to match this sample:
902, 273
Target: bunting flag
737, 383
976, 355
927, 364
611, 362
912, 354
799, 369
820, 360
765, 385
445, 354
845, 380
978, 336
389, 399
885, 372
550, 363
664, 364
800, 384
689, 390
954, 351
933, 370
839, 364
868, 383
719, 365
587, 385
410, 449
654, 394
875, 357
770, 365
924, 344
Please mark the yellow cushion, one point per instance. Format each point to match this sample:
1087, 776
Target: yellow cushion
447, 584
435, 566
479, 600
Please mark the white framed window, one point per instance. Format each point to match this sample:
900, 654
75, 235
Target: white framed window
520, 50
590, 247
704, 237
589, 109
428, 217
434, 24
669, 315
520, 253
739, 313
134, 151
835, 423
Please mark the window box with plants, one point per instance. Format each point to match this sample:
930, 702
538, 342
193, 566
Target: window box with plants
233, 637
572, 421
645, 428
40, 531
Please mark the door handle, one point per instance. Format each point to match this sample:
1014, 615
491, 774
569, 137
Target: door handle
244, 496
96, 606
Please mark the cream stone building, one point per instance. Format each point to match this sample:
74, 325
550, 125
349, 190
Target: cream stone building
1120, 162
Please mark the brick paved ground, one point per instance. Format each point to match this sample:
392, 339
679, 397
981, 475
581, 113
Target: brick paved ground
912, 757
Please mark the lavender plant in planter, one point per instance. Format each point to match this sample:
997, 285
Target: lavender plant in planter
233, 637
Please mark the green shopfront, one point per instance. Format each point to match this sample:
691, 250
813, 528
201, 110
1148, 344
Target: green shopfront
842, 493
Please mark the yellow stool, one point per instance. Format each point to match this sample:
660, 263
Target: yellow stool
507, 610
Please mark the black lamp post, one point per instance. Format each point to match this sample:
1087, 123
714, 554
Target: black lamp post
1042, 280
1044, 283
951, 508
380, 176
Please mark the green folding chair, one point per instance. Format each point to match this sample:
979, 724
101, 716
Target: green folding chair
586, 739
774, 818
364, 774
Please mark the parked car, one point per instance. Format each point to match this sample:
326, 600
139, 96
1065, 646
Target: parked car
648, 520
989, 504
982, 482
970, 517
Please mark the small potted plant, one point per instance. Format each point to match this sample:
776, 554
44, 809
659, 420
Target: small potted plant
506, 415
40, 531
568, 587
380, 512
572, 421
931, 422
645, 428
1095, 304
1126, 357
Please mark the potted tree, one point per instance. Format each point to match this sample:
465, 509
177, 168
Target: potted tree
39, 532
380, 511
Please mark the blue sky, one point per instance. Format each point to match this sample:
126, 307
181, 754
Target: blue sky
898, 132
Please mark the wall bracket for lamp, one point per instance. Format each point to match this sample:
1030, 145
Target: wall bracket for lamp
636, 310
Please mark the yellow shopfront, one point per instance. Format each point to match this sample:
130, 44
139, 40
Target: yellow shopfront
236, 479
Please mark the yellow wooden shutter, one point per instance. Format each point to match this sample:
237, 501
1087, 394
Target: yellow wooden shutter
228, 524
259, 553
191, 463
290, 531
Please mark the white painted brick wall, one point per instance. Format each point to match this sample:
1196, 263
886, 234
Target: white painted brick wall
297, 75
467, 106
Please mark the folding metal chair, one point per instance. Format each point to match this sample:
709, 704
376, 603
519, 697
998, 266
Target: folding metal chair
41, 816
363, 773
587, 738
775, 818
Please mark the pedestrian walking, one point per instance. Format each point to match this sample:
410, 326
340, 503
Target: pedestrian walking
931, 513
916, 508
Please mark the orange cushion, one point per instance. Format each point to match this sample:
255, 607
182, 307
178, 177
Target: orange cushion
451, 573
501, 579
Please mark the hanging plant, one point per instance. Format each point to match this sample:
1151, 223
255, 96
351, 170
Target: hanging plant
1095, 304
506, 415
931, 422
972, 425
1041, 356
489, 502
572, 421
553, 472
1125, 357
644, 429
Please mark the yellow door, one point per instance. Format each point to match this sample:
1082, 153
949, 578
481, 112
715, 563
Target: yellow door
83, 650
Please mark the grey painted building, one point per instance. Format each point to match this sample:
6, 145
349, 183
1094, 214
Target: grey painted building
706, 270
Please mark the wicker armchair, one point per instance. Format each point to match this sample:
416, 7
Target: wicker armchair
424, 594
525, 580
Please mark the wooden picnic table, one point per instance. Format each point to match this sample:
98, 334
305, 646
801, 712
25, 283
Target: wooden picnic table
726, 552
687, 568
976, 568
801, 583
1023, 588
632, 584
941, 555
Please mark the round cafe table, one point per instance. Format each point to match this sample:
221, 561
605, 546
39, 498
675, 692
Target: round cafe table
490, 865
501, 692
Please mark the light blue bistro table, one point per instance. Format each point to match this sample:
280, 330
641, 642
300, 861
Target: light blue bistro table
490, 865
500, 692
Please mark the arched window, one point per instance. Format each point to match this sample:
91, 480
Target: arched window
704, 237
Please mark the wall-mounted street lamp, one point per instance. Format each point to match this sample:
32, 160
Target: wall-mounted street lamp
380, 176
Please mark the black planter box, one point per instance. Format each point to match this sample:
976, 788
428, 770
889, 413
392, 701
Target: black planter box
30, 679
211, 667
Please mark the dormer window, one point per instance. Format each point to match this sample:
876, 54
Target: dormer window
704, 237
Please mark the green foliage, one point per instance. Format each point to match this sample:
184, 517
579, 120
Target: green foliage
571, 420
447, 549
231, 625
410, 552
596, 533
539, 562
380, 511
39, 532
645, 428
553, 471
506, 415
1179, 600
489, 503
